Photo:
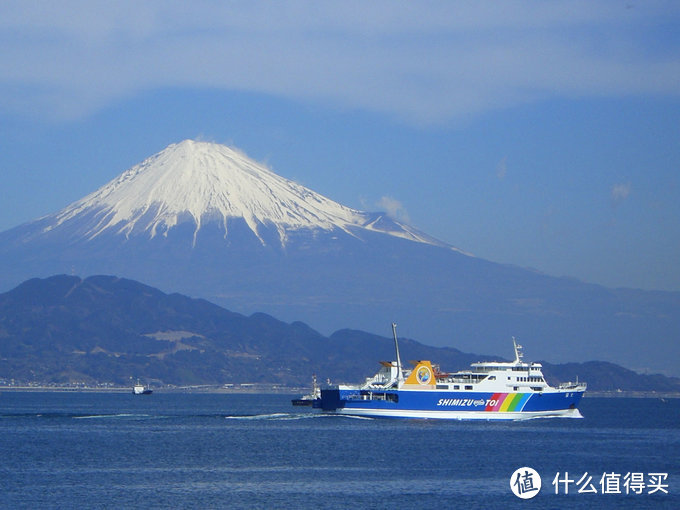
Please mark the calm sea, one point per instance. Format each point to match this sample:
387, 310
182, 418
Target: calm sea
171, 450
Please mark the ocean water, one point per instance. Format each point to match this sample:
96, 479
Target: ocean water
177, 450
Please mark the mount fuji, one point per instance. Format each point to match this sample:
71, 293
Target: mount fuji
201, 183
205, 220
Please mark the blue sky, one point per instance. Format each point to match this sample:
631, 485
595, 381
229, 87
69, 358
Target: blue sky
545, 135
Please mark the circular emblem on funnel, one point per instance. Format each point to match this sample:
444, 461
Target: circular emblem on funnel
424, 375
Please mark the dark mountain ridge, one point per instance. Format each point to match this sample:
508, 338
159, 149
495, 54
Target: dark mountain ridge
106, 329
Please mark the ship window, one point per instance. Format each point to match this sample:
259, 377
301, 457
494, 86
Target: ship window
456, 386
492, 378
442, 386
515, 388
537, 388
468, 387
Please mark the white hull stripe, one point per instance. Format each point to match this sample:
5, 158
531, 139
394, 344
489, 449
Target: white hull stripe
459, 415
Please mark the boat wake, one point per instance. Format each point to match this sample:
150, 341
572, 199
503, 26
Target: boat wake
79, 416
272, 417
291, 417
114, 416
574, 415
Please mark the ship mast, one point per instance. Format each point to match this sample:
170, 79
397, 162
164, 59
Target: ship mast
518, 350
400, 375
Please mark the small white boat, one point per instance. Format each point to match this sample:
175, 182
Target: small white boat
310, 398
140, 389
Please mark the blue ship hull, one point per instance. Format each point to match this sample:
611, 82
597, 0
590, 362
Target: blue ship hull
449, 404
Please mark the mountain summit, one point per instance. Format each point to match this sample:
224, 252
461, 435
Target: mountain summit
200, 182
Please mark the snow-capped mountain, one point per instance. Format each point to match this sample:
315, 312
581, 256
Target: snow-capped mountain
199, 182
203, 220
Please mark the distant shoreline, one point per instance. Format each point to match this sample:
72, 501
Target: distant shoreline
632, 394
274, 389
255, 389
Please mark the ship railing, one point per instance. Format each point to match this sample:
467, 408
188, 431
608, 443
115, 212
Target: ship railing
577, 386
373, 395
463, 378
378, 383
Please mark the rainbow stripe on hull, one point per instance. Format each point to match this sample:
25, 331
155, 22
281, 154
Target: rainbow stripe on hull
507, 402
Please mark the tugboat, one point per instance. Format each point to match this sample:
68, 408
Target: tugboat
310, 398
489, 390
140, 389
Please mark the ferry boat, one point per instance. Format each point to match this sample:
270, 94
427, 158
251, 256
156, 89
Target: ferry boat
140, 389
489, 390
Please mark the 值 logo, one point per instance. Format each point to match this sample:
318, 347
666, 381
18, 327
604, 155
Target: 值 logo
525, 483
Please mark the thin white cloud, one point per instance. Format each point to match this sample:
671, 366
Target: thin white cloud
620, 192
422, 62
502, 169
394, 209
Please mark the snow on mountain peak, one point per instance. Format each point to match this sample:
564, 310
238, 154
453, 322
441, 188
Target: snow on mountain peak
203, 182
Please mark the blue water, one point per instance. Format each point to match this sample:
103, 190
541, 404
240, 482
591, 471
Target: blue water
89, 450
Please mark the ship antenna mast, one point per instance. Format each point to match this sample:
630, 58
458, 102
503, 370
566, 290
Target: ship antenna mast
518, 351
400, 376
